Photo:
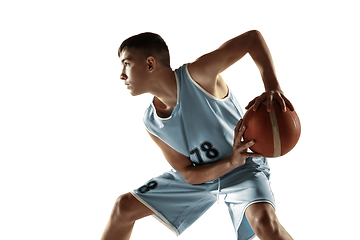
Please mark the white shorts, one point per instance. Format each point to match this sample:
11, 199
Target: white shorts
178, 204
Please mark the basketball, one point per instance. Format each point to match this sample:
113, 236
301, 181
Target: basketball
275, 133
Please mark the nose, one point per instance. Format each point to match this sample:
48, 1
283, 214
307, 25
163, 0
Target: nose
123, 76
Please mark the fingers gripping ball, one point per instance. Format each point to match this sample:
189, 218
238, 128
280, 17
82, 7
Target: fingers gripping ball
275, 133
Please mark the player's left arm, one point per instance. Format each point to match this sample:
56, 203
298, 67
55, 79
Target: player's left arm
206, 68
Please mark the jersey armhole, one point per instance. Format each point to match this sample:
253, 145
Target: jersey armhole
203, 90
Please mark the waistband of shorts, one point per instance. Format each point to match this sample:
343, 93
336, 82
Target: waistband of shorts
250, 162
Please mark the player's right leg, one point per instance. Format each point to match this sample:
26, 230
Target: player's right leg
126, 211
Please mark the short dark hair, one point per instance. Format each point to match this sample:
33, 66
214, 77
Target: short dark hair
147, 44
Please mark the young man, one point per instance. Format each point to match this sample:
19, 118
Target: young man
194, 119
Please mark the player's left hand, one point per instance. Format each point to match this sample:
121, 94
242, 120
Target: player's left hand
269, 96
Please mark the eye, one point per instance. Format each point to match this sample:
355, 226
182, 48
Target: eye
126, 63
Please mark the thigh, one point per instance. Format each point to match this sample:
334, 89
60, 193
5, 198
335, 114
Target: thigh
262, 217
257, 210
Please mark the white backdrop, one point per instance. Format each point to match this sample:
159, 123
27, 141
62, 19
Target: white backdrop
72, 138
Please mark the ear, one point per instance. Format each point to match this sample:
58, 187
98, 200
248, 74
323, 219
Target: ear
151, 62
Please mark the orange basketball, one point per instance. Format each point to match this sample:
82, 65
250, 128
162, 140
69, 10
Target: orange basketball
275, 133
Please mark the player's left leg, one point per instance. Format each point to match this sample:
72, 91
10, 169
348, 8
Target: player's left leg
265, 224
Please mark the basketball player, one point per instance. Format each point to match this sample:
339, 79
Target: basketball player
194, 119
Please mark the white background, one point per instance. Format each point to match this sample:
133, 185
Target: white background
72, 138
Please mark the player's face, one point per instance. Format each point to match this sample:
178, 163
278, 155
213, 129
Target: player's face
134, 72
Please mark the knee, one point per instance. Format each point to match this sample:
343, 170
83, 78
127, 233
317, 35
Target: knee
266, 225
122, 208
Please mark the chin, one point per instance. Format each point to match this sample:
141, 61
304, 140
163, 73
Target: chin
133, 93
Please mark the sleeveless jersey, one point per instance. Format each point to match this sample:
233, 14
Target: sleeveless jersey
201, 126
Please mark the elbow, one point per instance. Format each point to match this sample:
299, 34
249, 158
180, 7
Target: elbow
255, 36
256, 42
191, 178
255, 33
192, 181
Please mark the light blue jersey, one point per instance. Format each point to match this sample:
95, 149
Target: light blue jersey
201, 126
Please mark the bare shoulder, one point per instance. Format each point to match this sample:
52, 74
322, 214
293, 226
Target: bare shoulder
201, 72
213, 83
206, 69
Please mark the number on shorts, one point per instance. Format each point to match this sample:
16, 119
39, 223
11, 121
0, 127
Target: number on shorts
151, 185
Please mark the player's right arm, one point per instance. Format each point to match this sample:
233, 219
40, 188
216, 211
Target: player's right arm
210, 171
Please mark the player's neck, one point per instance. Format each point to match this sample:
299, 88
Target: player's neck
164, 88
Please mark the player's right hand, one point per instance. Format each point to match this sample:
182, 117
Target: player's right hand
268, 97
